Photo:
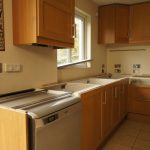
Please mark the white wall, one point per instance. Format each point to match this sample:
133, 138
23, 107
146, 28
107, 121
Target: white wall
98, 51
39, 64
128, 58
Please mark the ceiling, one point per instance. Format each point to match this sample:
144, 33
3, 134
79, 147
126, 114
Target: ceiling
105, 2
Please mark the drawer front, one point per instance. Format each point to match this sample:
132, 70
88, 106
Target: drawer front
141, 100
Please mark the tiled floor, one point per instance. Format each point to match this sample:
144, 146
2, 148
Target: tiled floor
130, 136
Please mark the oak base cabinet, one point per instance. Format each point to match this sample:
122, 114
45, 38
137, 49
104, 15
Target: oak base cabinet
123, 98
13, 129
43, 22
91, 120
115, 104
103, 109
139, 99
106, 100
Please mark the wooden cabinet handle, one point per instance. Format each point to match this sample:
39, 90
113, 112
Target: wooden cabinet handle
74, 31
116, 92
123, 89
104, 100
148, 100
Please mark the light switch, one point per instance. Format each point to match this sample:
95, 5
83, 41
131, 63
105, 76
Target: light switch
12, 68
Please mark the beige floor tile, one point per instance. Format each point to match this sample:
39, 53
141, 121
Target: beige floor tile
143, 135
123, 140
141, 145
131, 135
131, 124
146, 127
115, 147
128, 131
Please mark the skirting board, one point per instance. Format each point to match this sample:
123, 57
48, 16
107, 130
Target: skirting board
139, 117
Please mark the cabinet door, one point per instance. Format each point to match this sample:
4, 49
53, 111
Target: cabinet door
140, 23
106, 111
56, 20
91, 122
88, 130
141, 100
113, 24
13, 129
115, 105
123, 99
106, 25
122, 24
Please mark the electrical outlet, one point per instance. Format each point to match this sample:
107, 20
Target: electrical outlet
136, 65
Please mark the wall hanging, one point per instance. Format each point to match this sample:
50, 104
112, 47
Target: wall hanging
2, 40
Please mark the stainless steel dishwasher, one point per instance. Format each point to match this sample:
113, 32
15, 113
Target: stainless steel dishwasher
59, 130
54, 119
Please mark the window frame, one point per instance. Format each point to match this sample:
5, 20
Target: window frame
86, 53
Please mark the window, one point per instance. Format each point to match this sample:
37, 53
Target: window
80, 51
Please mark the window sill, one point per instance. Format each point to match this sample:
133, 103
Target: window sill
79, 64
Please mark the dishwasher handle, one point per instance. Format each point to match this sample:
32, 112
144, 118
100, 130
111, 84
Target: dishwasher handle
52, 118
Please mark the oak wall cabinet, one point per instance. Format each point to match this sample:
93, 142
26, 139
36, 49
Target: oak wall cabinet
113, 24
140, 23
44, 22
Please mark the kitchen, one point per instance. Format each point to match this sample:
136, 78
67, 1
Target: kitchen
39, 64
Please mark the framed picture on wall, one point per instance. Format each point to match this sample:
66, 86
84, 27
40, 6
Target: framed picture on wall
2, 39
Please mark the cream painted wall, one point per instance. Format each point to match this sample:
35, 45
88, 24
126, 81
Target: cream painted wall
128, 58
98, 52
39, 64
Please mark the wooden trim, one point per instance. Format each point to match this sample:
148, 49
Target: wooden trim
139, 117
114, 4
139, 3
76, 63
56, 44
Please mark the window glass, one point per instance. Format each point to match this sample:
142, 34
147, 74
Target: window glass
78, 53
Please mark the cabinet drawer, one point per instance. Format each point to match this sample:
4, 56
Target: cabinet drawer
140, 100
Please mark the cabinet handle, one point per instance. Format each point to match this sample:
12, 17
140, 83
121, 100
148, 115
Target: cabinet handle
144, 100
104, 101
123, 89
74, 31
116, 93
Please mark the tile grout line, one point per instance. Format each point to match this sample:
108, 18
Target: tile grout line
140, 130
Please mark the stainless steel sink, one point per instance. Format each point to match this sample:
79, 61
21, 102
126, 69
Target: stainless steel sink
140, 81
71, 87
95, 81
